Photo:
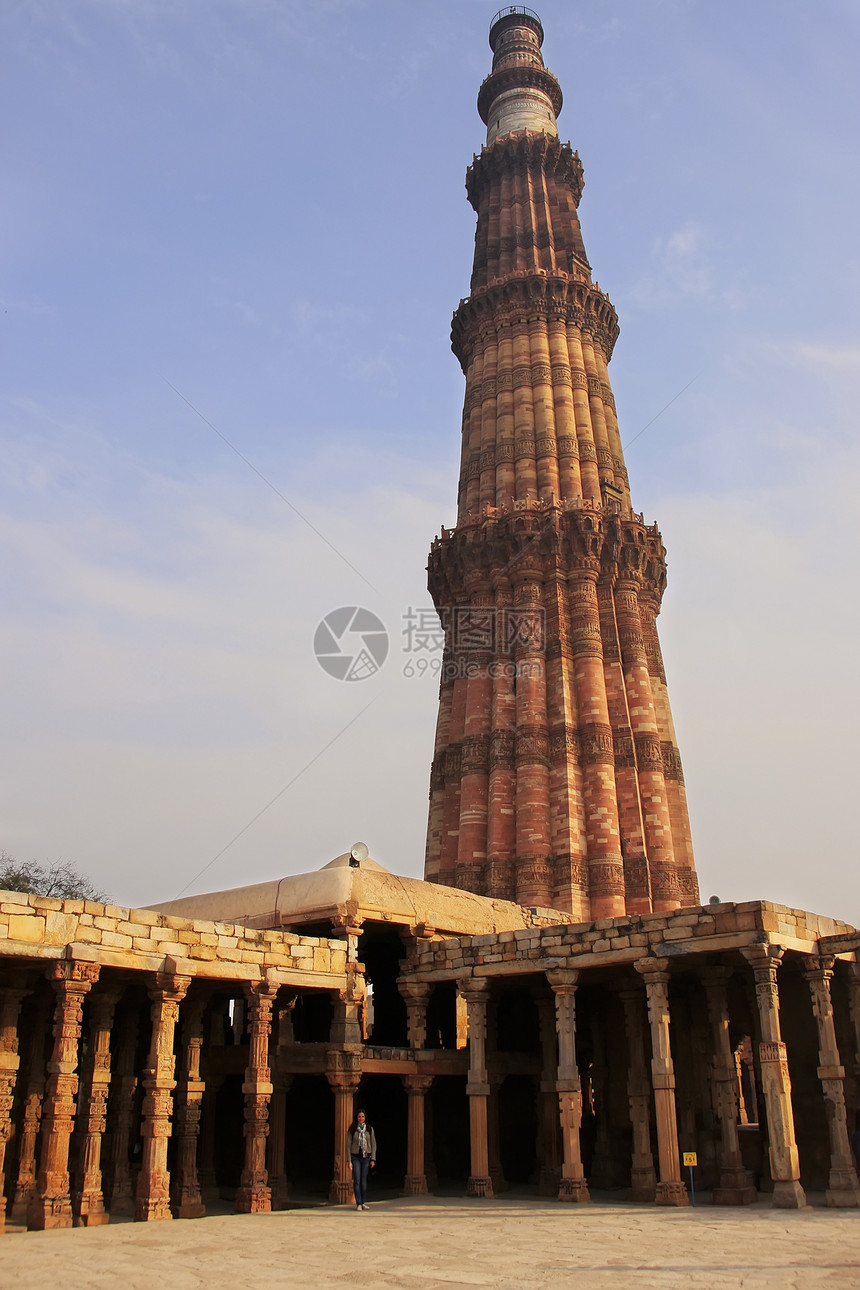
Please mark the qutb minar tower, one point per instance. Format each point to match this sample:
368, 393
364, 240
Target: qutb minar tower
556, 779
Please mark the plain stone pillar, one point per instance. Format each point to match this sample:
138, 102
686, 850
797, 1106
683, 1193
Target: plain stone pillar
254, 1196
573, 1186
153, 1184
670, 1189
842, 1187
415, 1183
343, 1075
52, 1203
735, 1184
776, 1085
475, 992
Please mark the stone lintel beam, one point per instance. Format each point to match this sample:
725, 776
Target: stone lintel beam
844, 943
200, 969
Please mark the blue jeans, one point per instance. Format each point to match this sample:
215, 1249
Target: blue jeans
360, 1171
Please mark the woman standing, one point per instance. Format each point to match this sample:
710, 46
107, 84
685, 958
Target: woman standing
361, 1143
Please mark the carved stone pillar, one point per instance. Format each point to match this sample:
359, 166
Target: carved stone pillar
843, 1191
123, 1088
573, 1185
347, 1026
602, 1163
52, 1203
643, 1179
210, 1192
25, 1185
153, 1184
186, 1199
740, 1095
475, 991
735, 1184
88, 1199
10, 1007
416, 1086
670, 1189
416, 995
853, 972
776, 1085
254, 1196
276, 1152
549, 1178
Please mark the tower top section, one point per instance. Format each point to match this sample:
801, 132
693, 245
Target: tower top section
519, 93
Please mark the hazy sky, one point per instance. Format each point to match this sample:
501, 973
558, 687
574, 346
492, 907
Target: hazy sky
251, 213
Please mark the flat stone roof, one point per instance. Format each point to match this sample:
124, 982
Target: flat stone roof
366, 891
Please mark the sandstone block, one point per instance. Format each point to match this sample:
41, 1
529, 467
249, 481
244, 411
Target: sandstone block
26, 927
116, 941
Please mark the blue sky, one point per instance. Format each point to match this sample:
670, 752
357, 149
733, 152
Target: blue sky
260, 205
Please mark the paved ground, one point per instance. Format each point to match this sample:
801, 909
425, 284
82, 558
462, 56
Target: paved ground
422, 1244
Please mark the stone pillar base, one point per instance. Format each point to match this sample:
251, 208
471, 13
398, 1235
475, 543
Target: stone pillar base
340, 1192
154, 1210
788, 1195
643, 1184
574, 1189
548, 1181
735, 1187
671, 1193
415, 1185
48, 1212
480, 1187
191, 1209
209, 1189
735, 1195
842, 1195
253, 1200
21, 1206
91, 1218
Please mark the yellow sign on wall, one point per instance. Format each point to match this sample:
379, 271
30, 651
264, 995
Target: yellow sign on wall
690, 1159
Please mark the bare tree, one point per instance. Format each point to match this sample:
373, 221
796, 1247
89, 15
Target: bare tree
60, 879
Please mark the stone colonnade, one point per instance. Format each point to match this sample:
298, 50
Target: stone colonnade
646, 1012
86, 1088
92, 1088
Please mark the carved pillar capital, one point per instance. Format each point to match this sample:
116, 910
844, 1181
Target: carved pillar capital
416, 995
563, 980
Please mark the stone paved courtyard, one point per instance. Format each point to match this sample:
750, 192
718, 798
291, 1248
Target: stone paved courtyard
507, 1244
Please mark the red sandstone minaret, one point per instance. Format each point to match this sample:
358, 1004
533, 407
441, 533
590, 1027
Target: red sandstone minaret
556, 779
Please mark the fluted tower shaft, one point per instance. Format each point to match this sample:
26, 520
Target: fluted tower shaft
556, 779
